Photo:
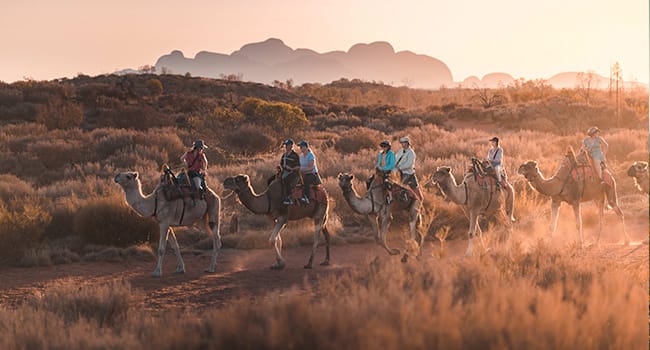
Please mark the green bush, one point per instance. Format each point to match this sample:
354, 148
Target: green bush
106, 221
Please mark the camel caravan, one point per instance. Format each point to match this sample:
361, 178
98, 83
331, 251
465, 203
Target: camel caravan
296, 192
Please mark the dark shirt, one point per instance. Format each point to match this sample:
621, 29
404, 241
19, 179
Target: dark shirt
290, 160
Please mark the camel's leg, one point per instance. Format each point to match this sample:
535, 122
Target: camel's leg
180, 267
473, 223
510, 202
578, 218
162, 243
318, 224
375, 226
414, 216
620, 214
386, 217
276, 241
326, 234
555, 212
213, 230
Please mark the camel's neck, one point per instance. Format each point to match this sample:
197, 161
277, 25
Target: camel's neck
257, 203
549, 187
143, 205
361, 205
456, 193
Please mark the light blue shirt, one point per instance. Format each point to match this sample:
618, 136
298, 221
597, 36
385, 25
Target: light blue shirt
595, 148
304, 162
389, 163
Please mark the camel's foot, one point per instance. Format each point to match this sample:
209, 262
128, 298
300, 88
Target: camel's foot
405, 258
307, 266
512, 220
180, 270
210, 270
325, 263
468, 252
156, 273
279, 265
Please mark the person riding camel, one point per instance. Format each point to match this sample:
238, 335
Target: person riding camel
308, 170
495, 158
289, 168
406, 166
196, 165
386, 164
596, 147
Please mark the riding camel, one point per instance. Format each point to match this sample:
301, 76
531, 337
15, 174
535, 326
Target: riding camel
373, 205
269, 203
575, 182
171, 213
639, 171
477, 199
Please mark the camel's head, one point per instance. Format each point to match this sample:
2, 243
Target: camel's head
345, 180
441, 174
528, 169
638, 169
127, 178
236, 183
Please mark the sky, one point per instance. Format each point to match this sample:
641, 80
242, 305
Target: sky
531, 39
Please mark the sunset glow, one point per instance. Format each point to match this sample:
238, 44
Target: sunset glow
529, 39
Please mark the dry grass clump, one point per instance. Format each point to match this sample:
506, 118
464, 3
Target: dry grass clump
108, 221
21, 229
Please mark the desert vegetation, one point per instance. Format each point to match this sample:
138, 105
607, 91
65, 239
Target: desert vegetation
63, 141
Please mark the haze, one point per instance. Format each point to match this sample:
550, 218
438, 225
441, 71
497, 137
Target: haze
529, 39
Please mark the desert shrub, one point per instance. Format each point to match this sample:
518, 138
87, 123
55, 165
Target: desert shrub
279, 115
154, 86
357, 139
106, 221
21, 230
139, 117
60, 115
107, 304
10, 96
12, 187
57, 152
250, 139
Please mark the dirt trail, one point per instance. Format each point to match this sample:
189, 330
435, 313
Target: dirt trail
239, 273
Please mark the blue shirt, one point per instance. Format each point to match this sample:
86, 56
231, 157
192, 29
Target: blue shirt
594, 148
389, 162
304, 162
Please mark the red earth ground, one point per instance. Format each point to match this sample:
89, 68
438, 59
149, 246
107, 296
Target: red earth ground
240, 273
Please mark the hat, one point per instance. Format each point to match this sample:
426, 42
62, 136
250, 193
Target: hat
593, 130
405, 139
384, 143
199, 144
495, 139
288, 142
303, 143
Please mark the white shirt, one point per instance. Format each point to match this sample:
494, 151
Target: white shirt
406, 161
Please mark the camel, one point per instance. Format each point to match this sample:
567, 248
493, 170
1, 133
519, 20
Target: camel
374, 206
269, 203
177, 212
476, 199
563, 187
639, 171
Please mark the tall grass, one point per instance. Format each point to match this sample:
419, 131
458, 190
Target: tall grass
537, 298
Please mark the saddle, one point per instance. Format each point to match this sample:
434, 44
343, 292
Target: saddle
484, 173
173, 187
584, 168
316, 193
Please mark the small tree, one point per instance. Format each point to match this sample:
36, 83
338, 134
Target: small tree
585, 83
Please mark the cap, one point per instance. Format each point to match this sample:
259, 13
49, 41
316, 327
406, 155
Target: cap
593, 130
288, 142
384, 143
495, 139
405, 139
303, 143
